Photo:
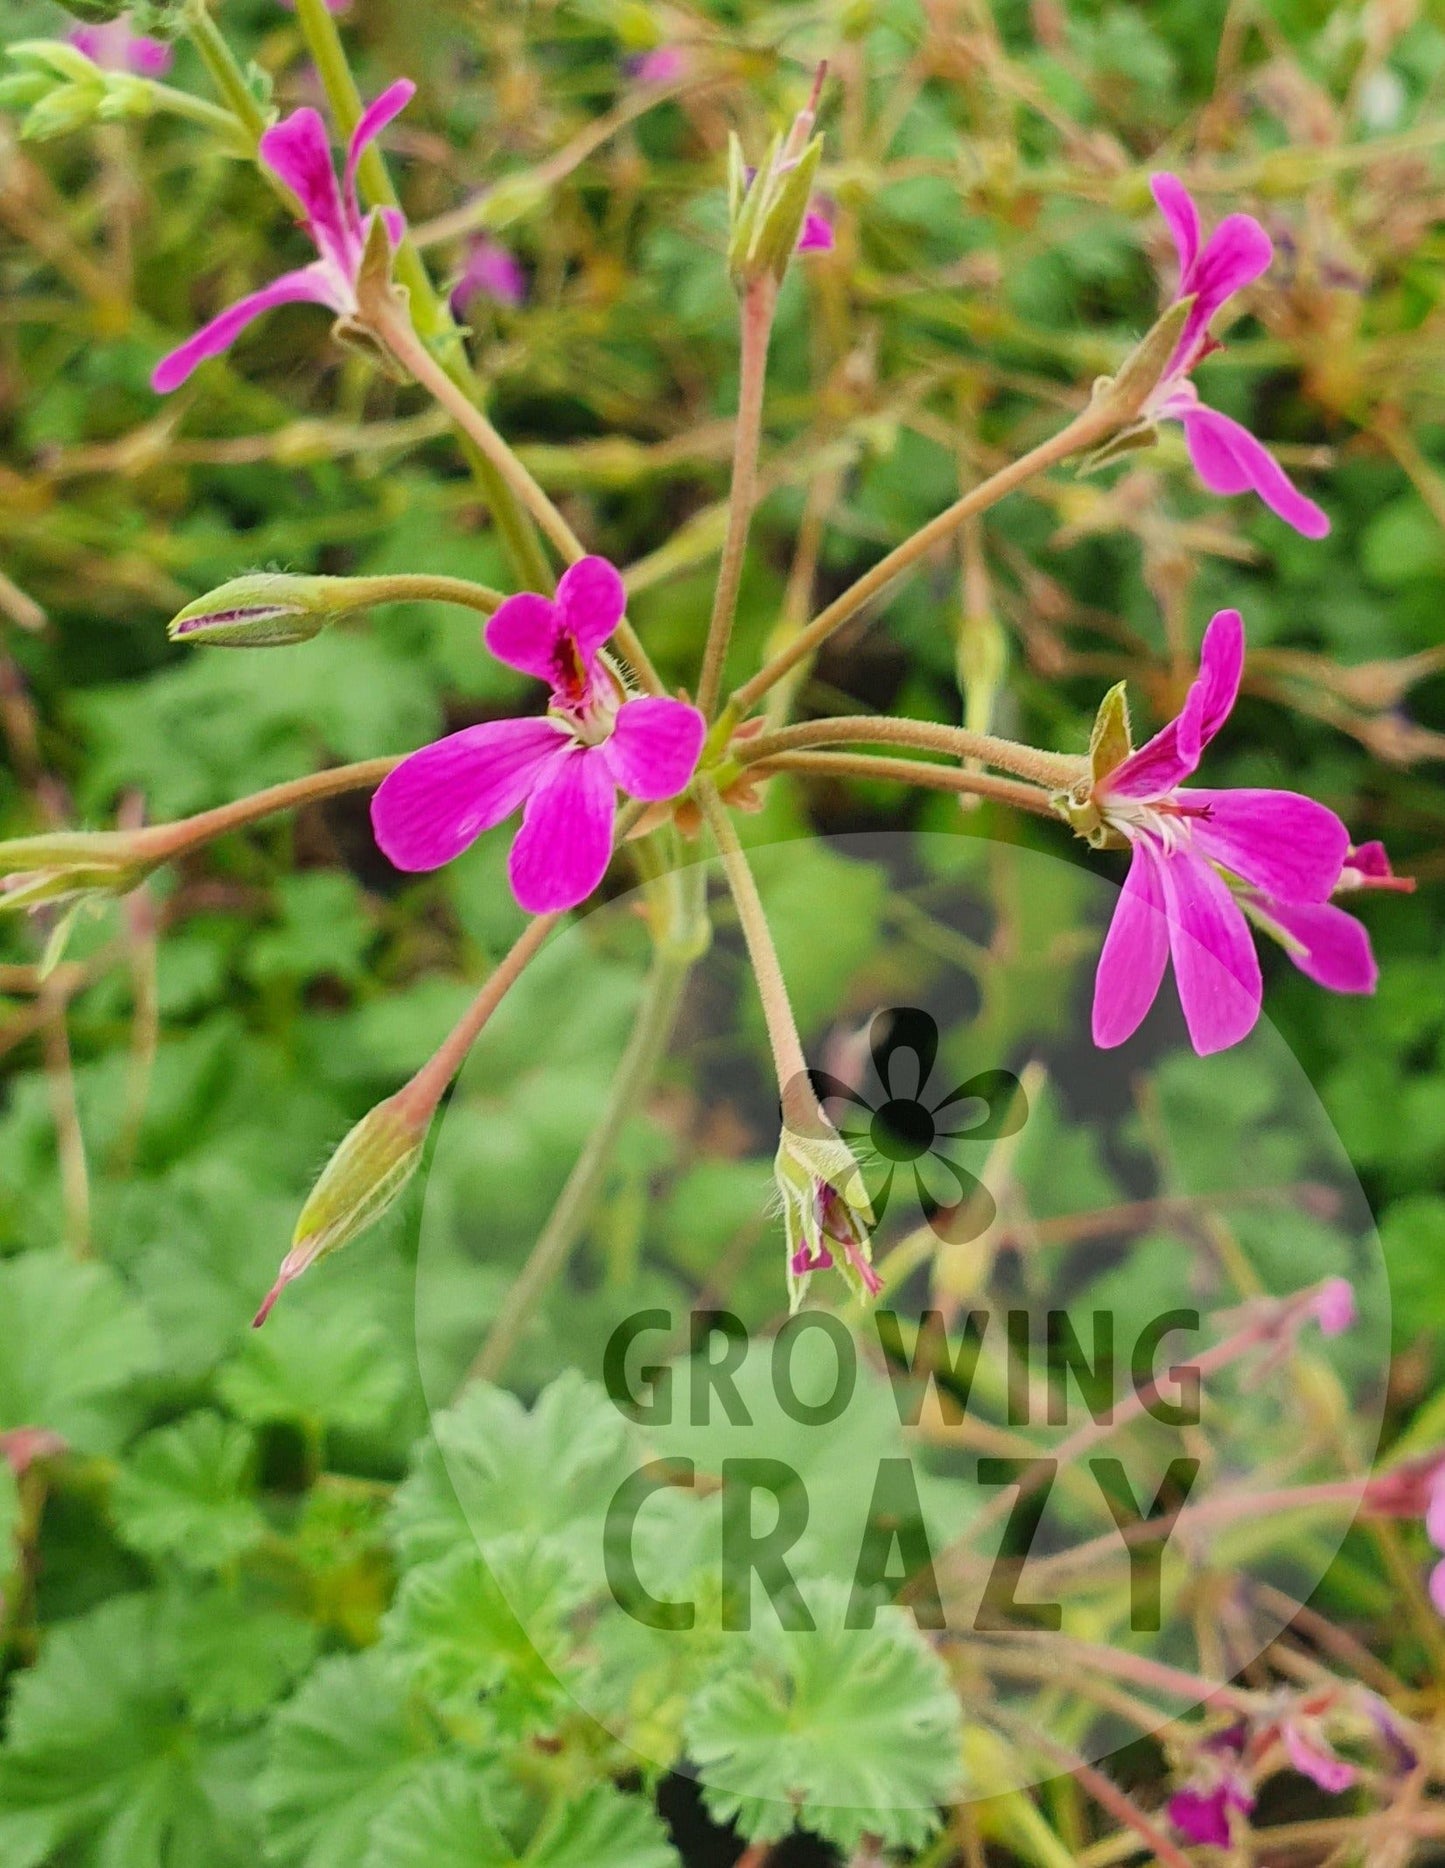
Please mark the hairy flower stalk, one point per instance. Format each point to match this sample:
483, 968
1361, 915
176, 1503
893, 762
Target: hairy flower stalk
827, 1215
377, 1159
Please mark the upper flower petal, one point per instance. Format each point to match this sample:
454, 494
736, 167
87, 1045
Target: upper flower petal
1282, 843
369, 125
1228, 460
817, 233
310, 282
523, 632
1314, 1760
591, 600
1238, 251
1215, 964
1331, 947
565, 843
655, 746
1135, 949
442, 798
296, 149
1175, 750
1176, 204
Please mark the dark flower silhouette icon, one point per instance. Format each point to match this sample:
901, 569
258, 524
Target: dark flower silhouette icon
907, 1133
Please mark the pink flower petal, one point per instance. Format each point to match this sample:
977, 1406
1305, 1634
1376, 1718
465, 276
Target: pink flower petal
1332, 949
523, 632
1229, 460
1435, 1513
442, 798
817, 234
1176, 204
1135, 950
296, 149
1371, 859
1175, 751
1237, 253
1311, 1759
1335, 1308
369, 125
655, 746
565, 843
310, 283
1437, 1587
592, 602
1201, 1818
1215, 964
1282, 843
149, 58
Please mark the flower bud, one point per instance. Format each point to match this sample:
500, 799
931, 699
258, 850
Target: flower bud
827, 1215
267, 610
769, 209
68, 865
357, 1185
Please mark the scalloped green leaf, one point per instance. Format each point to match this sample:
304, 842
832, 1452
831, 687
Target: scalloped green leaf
185, 1493
846, 1732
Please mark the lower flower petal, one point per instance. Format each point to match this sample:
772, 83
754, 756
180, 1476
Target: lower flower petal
442, 798
1228, 460
1282, 843
1332, 948
1215, 964
1201, 1818
565, 843
309, 283
655, 746
1135, 950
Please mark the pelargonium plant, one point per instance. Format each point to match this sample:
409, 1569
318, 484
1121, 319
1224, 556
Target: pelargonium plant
607, 773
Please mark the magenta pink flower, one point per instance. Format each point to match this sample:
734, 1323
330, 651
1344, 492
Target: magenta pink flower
297, 150
1334, 1307
493, 272
1435, 1531
1226, 456
564, 768
1285, 849
114, 47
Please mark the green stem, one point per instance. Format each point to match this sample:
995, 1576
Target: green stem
422, 587
225, 73
672, 962
396, 332
427, 306
758, 304
1053, 770
1087, 428
198, 110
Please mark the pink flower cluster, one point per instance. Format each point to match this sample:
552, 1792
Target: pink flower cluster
114, 47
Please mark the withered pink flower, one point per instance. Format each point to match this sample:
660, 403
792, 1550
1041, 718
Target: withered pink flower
1226, 455
492, 271
297, 151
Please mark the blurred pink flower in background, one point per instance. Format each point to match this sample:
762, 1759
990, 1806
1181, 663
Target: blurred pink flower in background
114, 47
1226, 455
493, 272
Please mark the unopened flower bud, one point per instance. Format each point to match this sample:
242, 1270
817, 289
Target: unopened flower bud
770, 210
67, 865
269, 609
357, 1185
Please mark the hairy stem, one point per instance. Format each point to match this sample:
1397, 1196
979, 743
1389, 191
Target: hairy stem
758, 304
1087, 428
426, 305
919, 772
225, 73
420, 1097
1052, 770
786, 1045
165, 841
